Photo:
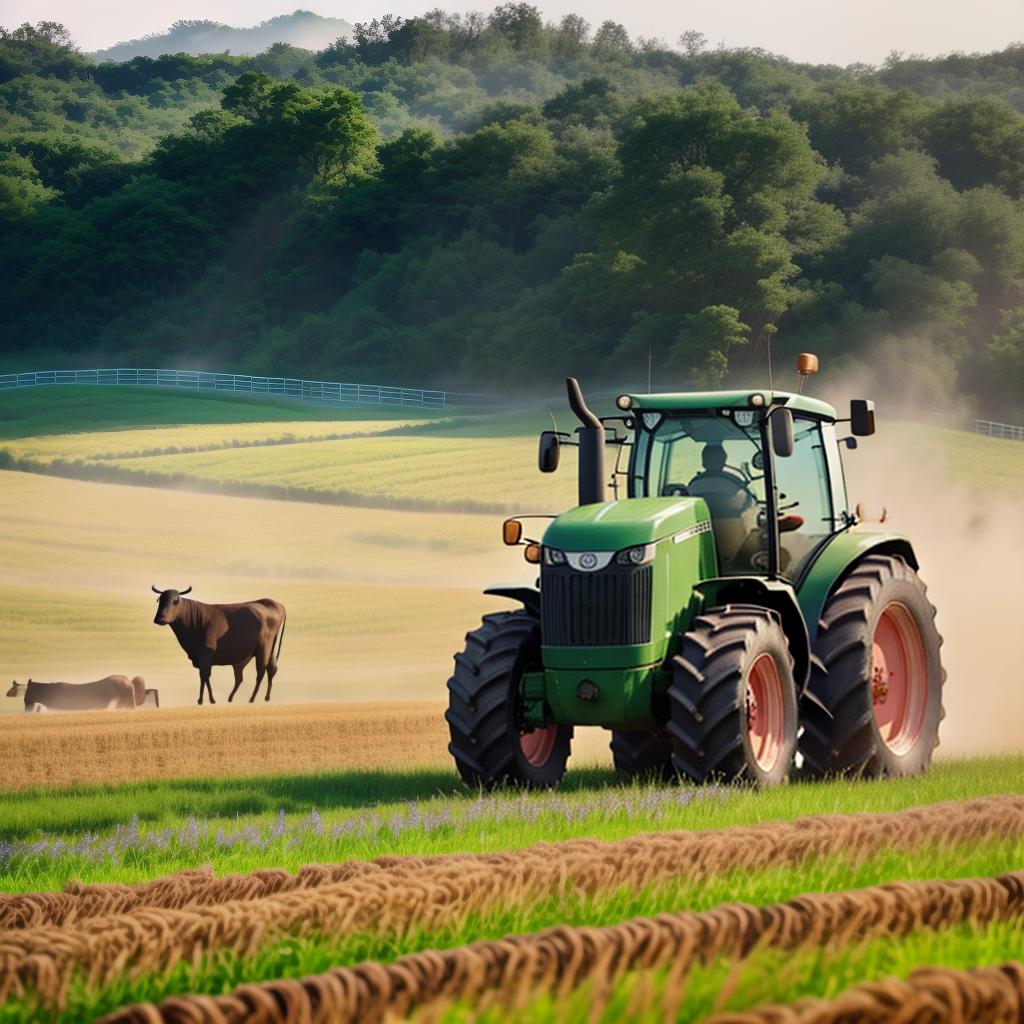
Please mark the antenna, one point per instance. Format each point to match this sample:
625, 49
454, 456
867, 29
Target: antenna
650, 362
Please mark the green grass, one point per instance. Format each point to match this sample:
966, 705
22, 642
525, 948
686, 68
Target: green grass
72, 409
590, 804
294, 957
981, 462
766, 977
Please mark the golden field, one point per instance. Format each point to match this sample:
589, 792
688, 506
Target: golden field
108, 747
145, 441
377, 601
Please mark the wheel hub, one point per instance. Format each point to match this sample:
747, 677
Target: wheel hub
899, 678
537, 745
765, 712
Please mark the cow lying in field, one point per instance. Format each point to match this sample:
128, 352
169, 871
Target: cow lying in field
225, 634
103, 694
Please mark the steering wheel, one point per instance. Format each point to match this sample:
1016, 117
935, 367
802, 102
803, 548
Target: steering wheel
675, 491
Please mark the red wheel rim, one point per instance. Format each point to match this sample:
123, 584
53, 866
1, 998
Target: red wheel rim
899, 678
766, 712
538, 745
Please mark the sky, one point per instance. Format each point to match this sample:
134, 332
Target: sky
818, 31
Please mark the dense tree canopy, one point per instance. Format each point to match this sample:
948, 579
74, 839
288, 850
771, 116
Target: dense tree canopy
492, 200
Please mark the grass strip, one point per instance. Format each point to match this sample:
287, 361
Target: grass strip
298, 956
930, 994
869, 981
395, 895
509, 971
412, 813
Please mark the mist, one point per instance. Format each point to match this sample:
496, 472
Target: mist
967, 537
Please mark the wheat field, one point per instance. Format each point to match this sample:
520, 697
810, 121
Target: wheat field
378, 601
108, 747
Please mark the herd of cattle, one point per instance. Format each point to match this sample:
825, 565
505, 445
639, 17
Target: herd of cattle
210, 634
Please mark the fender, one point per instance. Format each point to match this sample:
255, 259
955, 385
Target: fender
528, 597
834, 560
774, 594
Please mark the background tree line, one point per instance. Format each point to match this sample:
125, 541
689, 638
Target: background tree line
493, 200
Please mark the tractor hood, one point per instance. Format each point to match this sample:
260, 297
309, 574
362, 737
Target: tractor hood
614, 525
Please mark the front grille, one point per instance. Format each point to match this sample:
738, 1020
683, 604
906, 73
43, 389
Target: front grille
590, 609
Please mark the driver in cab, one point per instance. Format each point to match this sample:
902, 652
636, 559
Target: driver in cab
725, 493
732, 506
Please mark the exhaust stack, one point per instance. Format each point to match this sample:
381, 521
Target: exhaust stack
591, 478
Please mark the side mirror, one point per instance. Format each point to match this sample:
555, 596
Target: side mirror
862, 417
780, 426
550, 451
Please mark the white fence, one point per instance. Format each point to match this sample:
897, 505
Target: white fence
999, 430
240, 383
990, 428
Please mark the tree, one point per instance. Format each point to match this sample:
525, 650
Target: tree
978, 141
612, 39
521, 24
701, 349
693, 42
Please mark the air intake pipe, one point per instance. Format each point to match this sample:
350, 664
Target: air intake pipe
591, 435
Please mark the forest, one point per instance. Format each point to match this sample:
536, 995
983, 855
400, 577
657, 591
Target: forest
488, 201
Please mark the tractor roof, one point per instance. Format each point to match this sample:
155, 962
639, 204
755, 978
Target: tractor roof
696, 401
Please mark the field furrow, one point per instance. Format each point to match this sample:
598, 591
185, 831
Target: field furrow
586, 865
931, 995
511, 970
169, 923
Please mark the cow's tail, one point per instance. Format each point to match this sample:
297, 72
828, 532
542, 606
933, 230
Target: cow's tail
280, 636
139, 686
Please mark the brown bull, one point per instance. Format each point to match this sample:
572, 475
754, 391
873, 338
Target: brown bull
111, 692
225, 634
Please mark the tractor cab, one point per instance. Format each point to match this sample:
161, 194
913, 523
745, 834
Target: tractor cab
766, 465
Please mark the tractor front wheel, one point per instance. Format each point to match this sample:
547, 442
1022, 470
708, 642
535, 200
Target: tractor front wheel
490, 741
733, 699
874, 700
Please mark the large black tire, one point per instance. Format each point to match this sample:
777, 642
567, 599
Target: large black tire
485, 709
642, 755
727, 654
844, 711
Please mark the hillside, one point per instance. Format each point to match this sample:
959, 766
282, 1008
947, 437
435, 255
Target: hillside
302, 29
490, 202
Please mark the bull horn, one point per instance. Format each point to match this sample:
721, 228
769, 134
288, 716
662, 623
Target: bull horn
187, 590
156, 591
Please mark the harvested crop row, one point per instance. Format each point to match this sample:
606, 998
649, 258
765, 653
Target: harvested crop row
393, 895
931, 995
512, 970
582, 865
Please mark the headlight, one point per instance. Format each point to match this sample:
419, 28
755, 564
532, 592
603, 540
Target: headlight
640, 555
552, 556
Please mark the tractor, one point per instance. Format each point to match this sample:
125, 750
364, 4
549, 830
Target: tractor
713, 601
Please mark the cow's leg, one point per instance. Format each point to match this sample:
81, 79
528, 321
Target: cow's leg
271, 671
205, 667
261, 668
239, 669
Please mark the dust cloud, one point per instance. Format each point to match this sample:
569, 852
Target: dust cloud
969, 539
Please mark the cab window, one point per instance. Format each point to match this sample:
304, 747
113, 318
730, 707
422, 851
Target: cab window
717, 458
806, 515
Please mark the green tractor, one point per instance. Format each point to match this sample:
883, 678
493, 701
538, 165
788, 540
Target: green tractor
722, 613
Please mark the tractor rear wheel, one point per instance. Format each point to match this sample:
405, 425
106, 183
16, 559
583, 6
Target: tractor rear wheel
642, 755
490, 742
874, 699
733, 699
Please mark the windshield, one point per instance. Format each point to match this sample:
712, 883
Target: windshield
717, 457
